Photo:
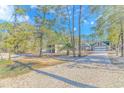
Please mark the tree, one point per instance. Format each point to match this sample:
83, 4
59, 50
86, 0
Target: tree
111, 16
79, 33
73, 31
41, 21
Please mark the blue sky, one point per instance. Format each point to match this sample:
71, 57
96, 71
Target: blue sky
7, 11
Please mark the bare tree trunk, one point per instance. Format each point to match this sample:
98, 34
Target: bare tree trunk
117, 50
67, 52
79, 34
70, 31
41, 36
15, 25
117, 46
122, 39
73, 34
9, 58
40, 46
69, 25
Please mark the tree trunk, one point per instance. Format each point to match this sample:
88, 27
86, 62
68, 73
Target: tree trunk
79, 34
67, 52
40, 46
69, 25
9, 58
117, 46
41, 37
117, 50
73, 34
122, 39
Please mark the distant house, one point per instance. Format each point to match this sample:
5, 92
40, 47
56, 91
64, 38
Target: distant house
53, 48
95, 46
101, 46
86, 47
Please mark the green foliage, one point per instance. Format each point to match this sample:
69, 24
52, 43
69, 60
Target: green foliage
20, 11
108, 23
113, 35
67, 46
19, 39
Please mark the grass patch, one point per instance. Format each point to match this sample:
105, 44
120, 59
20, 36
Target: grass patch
40, 62
5, 62
21, 66
5, 69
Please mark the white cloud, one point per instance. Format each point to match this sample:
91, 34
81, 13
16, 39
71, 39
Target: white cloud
6, 12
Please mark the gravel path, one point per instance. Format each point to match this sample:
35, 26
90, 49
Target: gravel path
95, 57
92, 71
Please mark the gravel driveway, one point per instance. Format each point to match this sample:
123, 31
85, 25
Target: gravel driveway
92, 71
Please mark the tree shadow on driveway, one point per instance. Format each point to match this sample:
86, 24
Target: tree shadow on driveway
71, 82
61, 78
